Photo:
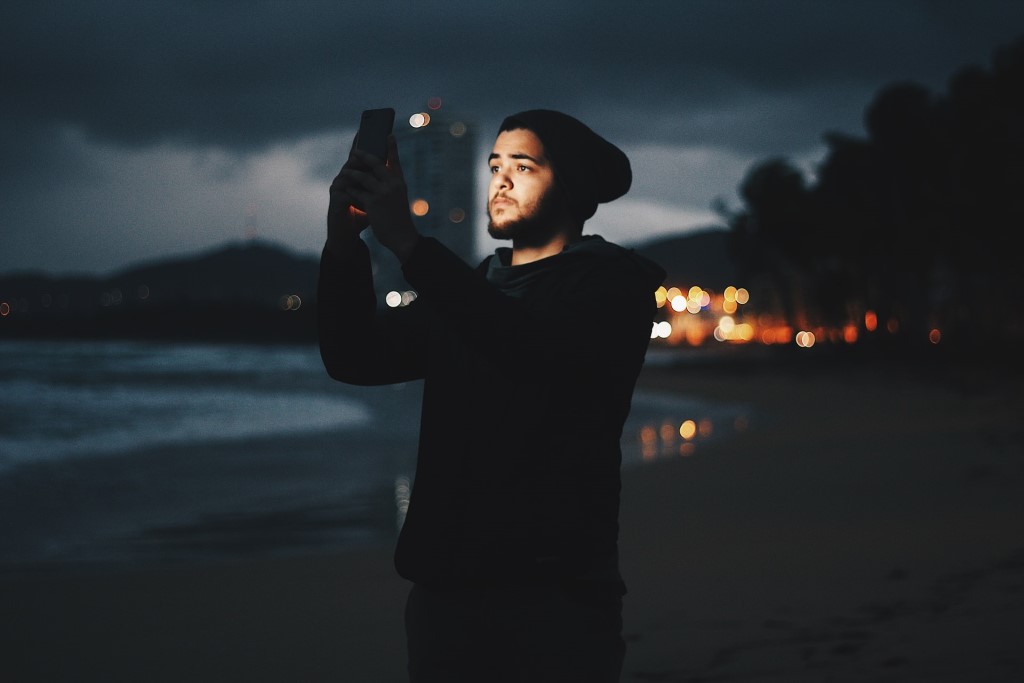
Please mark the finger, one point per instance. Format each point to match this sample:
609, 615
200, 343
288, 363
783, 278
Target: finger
342, 182
364, 181
338, 186
372, 165
364, 158
359, 193
357, 158
355, 139
393, 161
341, 196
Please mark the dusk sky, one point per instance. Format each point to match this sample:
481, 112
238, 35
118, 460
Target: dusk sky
133, 131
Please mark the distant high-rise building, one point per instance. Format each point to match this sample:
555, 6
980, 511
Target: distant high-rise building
439, 159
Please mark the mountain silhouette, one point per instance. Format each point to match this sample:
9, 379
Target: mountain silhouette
700, 257
252, 272
253, 291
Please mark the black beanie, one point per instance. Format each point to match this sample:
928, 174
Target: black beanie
589, 169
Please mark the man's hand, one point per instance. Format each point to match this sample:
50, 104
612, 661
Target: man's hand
379, 189
344, 221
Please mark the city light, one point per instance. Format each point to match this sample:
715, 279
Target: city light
694, 315
675, 436
805, 339
395, 299
420, 207
661, 330
112, 297
290, 302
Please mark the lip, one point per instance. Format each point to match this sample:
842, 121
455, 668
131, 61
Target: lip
501, 201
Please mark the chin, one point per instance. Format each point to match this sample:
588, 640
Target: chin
504, 230
500, 232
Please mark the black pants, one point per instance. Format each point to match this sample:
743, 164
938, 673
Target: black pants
532, 633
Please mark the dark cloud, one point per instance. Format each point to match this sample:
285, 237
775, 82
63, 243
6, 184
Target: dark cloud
243, 75
109, 108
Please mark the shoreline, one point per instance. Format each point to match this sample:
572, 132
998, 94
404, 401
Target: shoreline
870, 524
128, 492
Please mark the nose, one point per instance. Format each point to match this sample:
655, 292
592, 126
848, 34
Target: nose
501, 181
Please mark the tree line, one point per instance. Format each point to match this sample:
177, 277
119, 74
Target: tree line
917, 222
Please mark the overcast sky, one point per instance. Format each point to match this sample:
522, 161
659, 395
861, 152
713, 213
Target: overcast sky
136, 130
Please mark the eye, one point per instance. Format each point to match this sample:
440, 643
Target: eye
523, 168
494, 169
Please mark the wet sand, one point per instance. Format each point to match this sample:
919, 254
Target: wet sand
867, 524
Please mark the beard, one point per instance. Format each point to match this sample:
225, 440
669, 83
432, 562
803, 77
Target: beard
534, 225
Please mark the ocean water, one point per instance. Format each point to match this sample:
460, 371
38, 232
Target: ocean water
134, 452
72, 400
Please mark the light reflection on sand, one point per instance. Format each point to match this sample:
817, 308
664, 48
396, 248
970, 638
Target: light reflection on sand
663, 426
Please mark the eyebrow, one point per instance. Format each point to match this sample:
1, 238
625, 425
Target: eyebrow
518, 155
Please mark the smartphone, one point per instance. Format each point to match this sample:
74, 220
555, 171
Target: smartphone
375, 125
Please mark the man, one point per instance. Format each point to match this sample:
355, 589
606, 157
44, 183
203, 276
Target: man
529, 363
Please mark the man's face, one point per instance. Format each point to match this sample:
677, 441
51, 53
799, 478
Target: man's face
522, 196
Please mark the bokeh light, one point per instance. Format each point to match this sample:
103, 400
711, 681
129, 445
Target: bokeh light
290, 302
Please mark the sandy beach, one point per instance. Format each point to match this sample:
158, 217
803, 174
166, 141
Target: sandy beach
867, 524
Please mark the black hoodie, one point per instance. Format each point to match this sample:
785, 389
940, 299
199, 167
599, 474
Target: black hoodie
529, 372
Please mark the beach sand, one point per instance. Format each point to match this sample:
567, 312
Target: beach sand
867, 524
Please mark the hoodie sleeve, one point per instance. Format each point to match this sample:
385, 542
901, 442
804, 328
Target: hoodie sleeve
360, 344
